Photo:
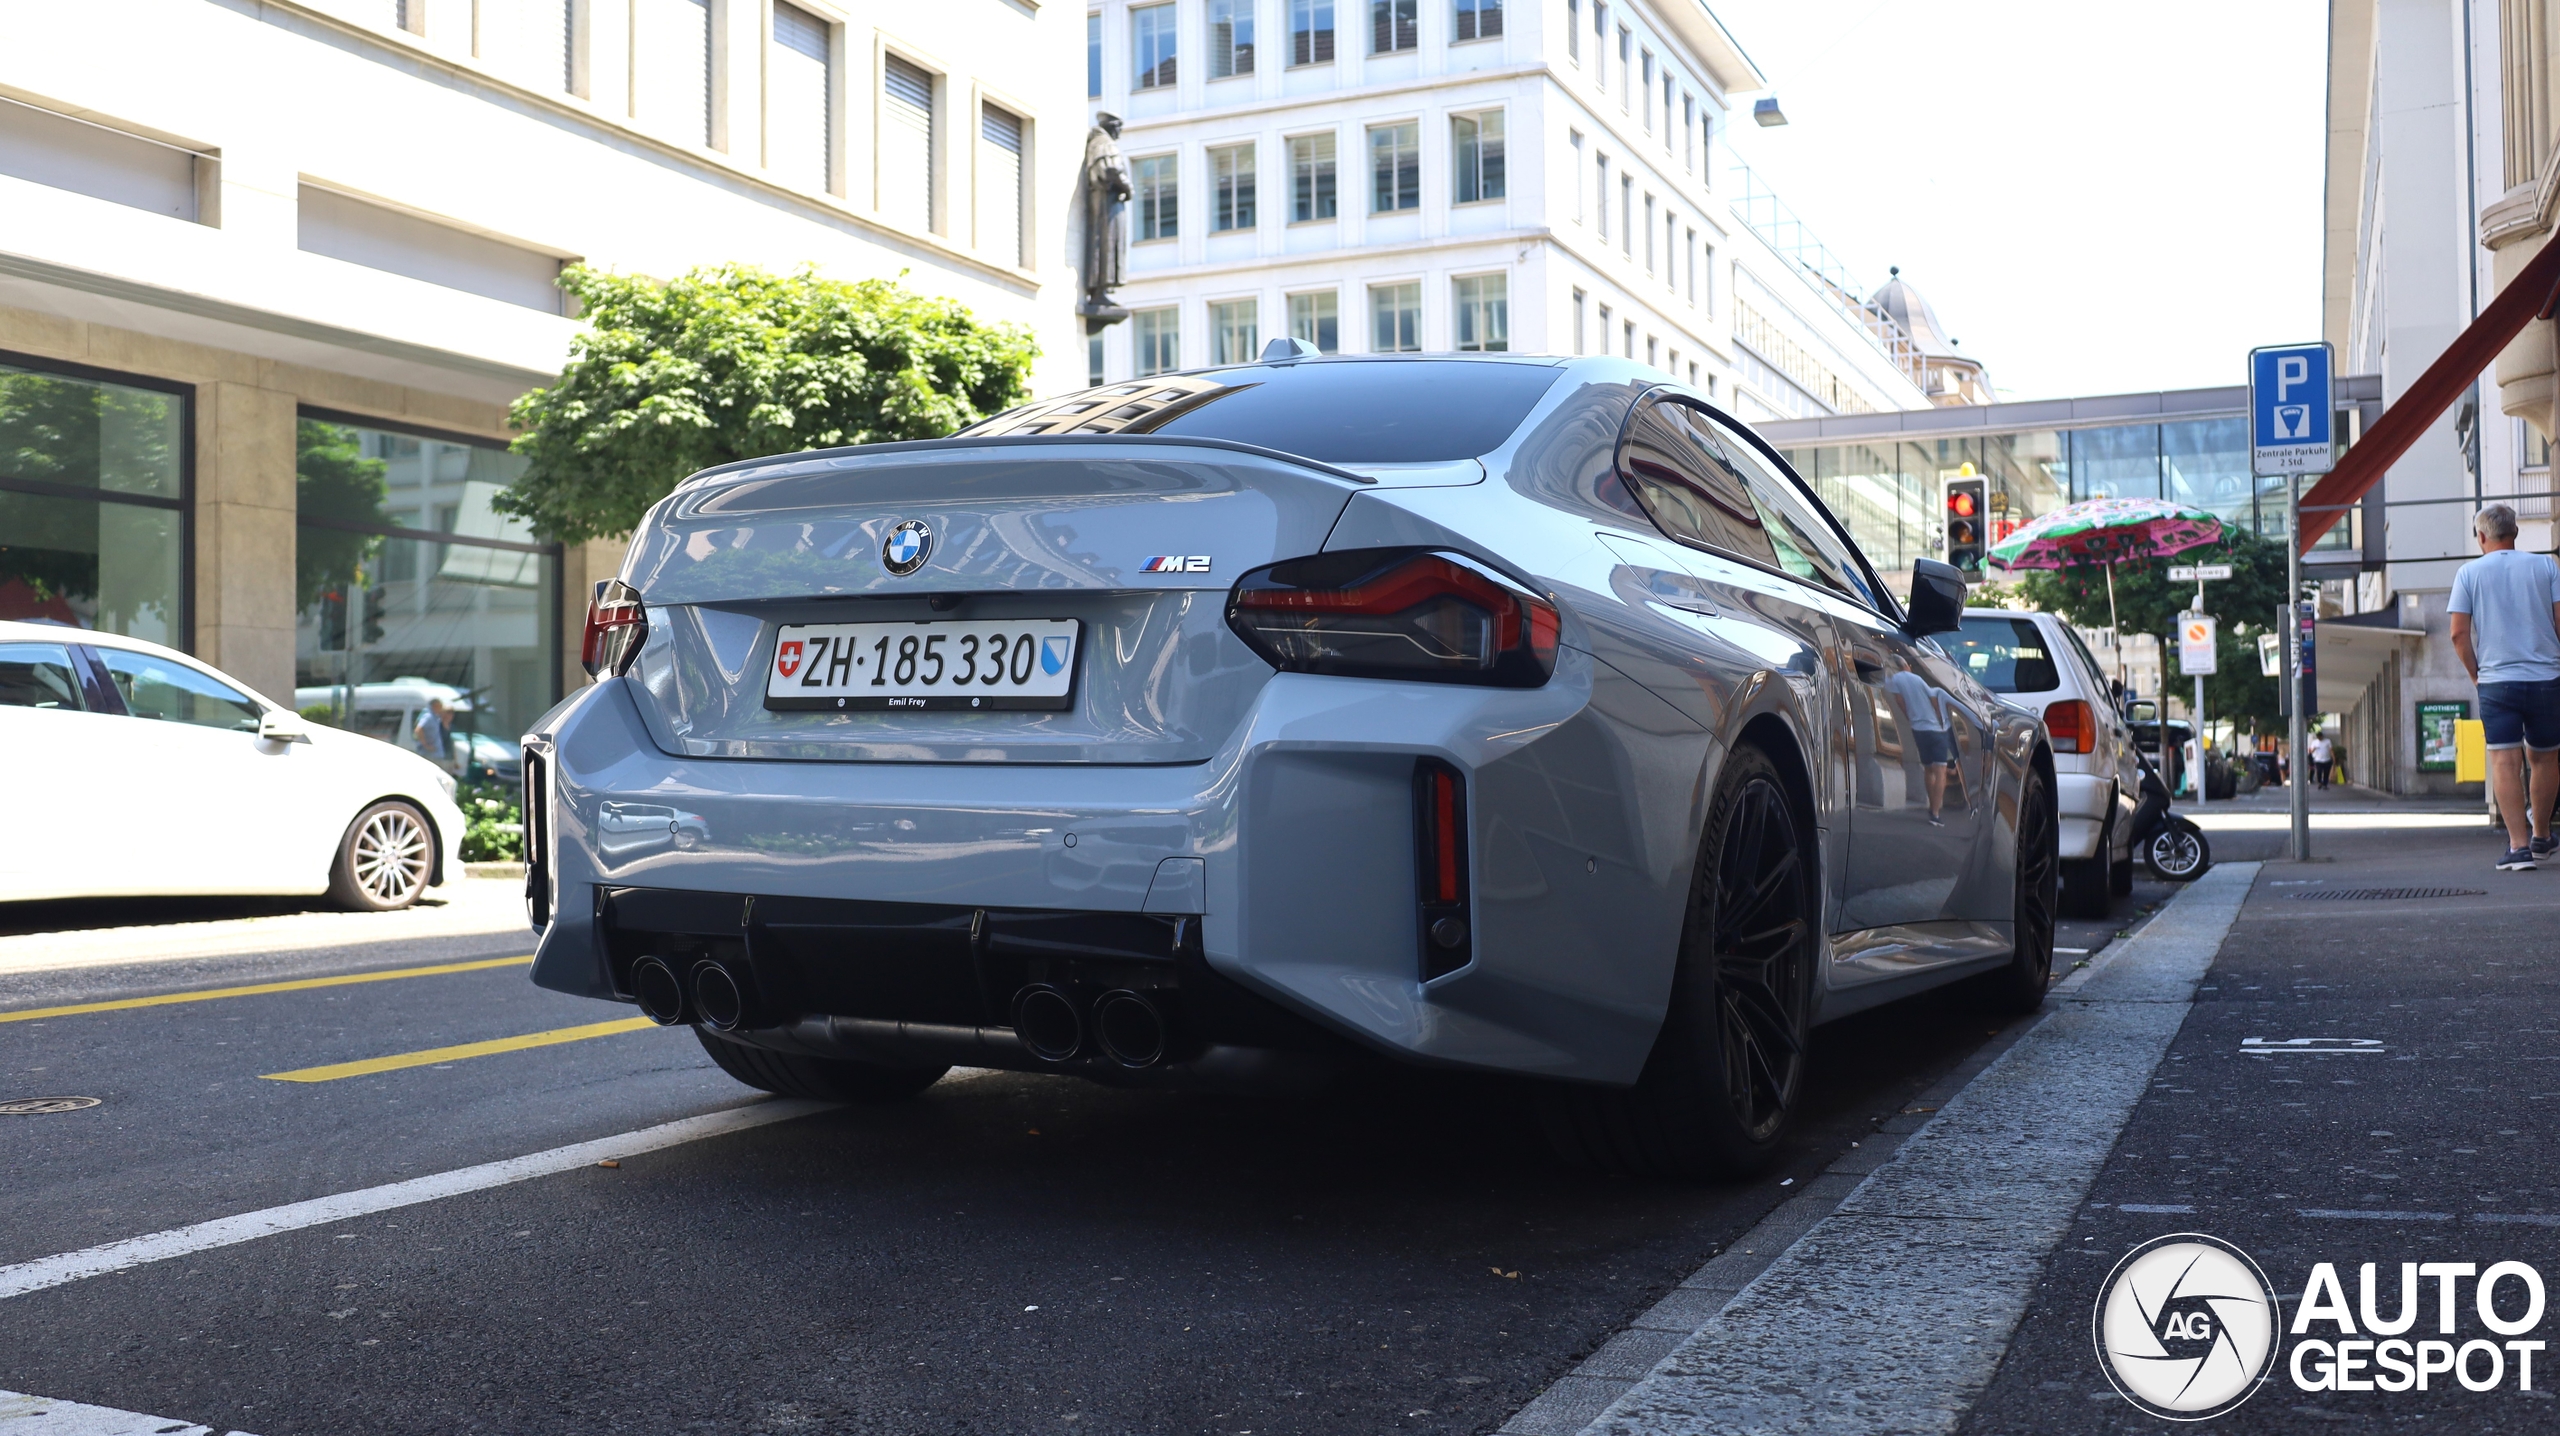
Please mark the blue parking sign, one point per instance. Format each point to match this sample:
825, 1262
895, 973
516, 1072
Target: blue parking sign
2290, 409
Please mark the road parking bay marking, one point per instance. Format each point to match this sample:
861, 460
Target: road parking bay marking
69, 1267
2310, 1046
459, 1052
37, 1416
259, 989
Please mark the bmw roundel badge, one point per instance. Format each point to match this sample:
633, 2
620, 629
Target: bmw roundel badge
908, 545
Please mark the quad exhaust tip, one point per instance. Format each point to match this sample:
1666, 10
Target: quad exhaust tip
659, 990
717, 998
1129, 1028
1048, 1022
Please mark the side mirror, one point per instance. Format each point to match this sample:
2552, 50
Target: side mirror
279, 726
1937, 599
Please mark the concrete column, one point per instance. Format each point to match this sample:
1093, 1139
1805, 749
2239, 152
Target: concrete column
244, 517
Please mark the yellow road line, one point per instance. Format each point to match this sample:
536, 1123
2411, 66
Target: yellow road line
31, 1014
432, 1055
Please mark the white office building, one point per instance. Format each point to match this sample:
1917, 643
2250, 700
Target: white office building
1548, 176
248, 250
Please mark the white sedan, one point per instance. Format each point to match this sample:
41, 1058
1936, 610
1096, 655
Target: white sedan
147, 773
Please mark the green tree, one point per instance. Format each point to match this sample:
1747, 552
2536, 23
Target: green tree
735, 362
333, 480
2147, 602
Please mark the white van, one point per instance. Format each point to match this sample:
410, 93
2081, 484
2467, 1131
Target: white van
2036, 661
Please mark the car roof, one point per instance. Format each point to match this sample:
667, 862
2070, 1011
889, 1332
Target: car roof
16, 630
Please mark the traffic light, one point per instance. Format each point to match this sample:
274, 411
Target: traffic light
1965, 505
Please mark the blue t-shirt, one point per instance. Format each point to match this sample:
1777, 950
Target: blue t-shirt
2509, 595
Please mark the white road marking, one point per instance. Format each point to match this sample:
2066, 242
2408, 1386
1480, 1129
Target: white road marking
52, 1271
2158, 1209
24, 1415
2335, 1214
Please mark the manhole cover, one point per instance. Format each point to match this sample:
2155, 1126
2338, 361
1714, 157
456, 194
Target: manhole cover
2382, 894
38, 1106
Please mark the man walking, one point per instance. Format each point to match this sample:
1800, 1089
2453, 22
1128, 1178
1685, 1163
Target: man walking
2506, 628
2322, 754
1927, 724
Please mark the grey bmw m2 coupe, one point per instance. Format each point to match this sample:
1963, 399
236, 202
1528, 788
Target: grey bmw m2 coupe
1498, 714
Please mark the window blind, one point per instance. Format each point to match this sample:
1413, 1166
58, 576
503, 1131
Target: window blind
906, 145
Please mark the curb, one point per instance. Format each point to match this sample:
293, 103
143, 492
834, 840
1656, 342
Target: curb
1915, 1246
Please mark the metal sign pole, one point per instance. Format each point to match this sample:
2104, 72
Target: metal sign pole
2298, 786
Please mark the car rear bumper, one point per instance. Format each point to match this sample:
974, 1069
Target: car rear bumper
2082, 800
1276, 880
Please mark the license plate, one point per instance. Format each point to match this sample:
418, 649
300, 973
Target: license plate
978, 663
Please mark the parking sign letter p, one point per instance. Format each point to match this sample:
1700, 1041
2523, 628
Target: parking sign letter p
2291, 369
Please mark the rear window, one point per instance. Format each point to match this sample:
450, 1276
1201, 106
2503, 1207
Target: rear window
2005, 655
1389, 412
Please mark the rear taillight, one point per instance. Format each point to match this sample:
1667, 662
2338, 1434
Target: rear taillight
2073, 726
616, 627
1396, 613
1440, 866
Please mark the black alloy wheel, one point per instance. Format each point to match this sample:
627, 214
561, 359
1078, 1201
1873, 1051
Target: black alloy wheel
2020, 986
1725, 1072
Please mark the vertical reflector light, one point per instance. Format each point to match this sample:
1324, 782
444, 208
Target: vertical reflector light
1440, 868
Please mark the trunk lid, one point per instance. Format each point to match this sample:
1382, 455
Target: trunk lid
1020, 530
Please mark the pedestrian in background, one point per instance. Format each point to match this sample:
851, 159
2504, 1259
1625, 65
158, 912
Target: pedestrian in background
434, 733
2506, 629
2321, 753
1927, 724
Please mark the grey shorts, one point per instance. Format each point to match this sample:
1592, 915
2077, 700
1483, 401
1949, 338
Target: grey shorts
1934, 745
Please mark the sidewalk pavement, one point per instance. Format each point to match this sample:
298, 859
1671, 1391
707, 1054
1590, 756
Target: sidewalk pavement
472, 917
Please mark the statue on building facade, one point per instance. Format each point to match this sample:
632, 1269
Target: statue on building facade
1107, 190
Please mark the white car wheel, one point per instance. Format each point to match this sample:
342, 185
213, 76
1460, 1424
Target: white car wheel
384, 860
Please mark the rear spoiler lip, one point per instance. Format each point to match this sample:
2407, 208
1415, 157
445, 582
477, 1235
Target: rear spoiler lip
910, 446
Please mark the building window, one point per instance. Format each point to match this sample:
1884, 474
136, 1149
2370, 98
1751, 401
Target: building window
1235, 331
1230, 38
799, 99
1151, 40
1580, 302
671, 67
410, 585
398, 242
906, 145
1648, 235
1482, 19
1631, 338
1670, 90
1159, 195
1600, 46
1693, 265
1311, 178
1673, 368
1626, 65
1627, 217
1648, 92
1231, 188
1000, 170
93, 505
1603, 192
1395, 168
1693, 377
1093, 62
1652, 352
1476, 148
1707, 299
1482, 318
1391, 26
1310, 32
1689, 132
1395, 318
1604, 328
1573, 30
1093, 358
1157, 333
1670, 251
1316, 318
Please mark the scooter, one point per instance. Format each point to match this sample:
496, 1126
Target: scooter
2171, 846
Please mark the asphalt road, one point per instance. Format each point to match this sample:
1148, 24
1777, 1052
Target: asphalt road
2429, 1144
1007, 1254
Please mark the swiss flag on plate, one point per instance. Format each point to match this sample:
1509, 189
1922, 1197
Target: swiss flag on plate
788, 658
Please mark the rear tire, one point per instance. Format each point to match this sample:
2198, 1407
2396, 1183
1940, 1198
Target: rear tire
2020, 986
384, 859
1718, 1089
2177, 854
826, 1079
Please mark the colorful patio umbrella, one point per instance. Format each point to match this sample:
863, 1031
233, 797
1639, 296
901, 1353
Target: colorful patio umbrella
2104, 531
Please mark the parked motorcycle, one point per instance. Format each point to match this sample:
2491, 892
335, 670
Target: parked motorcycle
2172, 847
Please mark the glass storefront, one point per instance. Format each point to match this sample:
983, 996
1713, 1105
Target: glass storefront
1886, 492
413, 589
93, 495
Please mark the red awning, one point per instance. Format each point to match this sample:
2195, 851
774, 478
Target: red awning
2528, 298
